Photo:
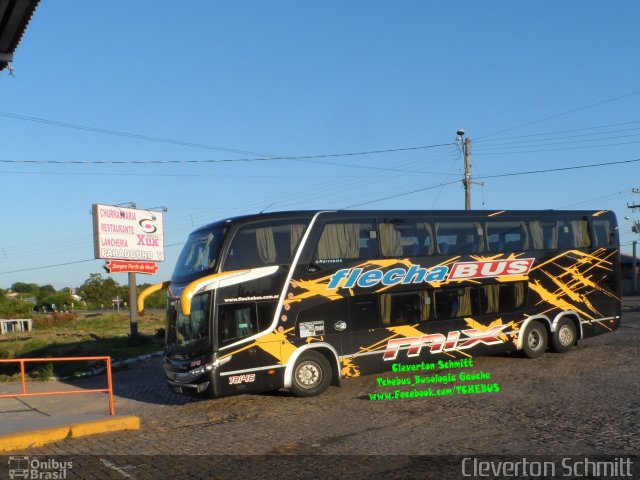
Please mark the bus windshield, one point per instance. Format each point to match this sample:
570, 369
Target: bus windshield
188, 336
200, 253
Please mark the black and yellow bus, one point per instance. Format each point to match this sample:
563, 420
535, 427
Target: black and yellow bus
302, 299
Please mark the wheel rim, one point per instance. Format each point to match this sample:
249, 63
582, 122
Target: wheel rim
565, 335
308, 375
534, 340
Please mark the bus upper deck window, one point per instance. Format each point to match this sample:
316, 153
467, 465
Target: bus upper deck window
603, 235
507, 236
344, 242
265, 243
409, 238
460, 237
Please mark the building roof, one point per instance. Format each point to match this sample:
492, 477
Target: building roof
14, 18
625, 258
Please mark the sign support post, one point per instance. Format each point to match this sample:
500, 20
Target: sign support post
133, 304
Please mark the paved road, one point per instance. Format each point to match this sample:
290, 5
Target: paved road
581, 403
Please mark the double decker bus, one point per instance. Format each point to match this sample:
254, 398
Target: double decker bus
302, 299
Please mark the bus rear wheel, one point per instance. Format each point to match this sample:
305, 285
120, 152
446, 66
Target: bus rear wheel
534, 340
564, 337
311, 375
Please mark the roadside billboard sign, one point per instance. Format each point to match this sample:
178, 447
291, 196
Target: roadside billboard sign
131, 266
127, 233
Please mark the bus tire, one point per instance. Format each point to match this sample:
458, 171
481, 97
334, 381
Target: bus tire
565, 336
534, 340
311, 375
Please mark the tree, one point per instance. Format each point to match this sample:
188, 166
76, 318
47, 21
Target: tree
45, 291
63, 300
98, 291
28, 288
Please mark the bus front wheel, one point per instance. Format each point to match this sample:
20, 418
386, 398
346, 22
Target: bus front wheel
311, 375
564, 337
535, 340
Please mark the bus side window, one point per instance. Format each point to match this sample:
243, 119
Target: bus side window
602, 235
546, 234
507, 236
405, 308
237, 321
559, 234
453, 302
569, 234
460, 237
406, 238
503, 297
266, 243
581, 236
344, 242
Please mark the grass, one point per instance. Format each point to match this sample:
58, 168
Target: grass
79, 335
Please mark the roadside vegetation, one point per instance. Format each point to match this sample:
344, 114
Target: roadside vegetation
86, 323
80, 335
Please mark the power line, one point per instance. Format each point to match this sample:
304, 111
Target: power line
561, 114
225, 160
48, 266
498, 175
401, 194
118, 133
557, 132
586, 147
575, 167
537, 143
568, 142
68, 263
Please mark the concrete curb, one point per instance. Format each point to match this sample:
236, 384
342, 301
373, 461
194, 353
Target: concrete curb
114, 366
39, 437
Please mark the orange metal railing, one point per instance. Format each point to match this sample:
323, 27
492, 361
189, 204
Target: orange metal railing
24, 393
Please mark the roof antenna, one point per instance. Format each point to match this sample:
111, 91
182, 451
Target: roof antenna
268, 206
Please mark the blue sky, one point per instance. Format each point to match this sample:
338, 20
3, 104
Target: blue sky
535, 85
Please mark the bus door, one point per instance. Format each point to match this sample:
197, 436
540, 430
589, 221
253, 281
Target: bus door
253, 365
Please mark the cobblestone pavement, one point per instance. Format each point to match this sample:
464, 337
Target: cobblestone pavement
584, 402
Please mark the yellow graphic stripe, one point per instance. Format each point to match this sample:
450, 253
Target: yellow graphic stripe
555, 300
275, 344
149, 291
193, 287
503, 336
349, 369
582, 258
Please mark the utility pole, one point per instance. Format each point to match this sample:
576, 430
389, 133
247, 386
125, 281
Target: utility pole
635, 229
467, 173
634, 269
465, 144
634, 206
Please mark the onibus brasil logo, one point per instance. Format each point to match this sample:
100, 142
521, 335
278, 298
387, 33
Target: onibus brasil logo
36, 468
